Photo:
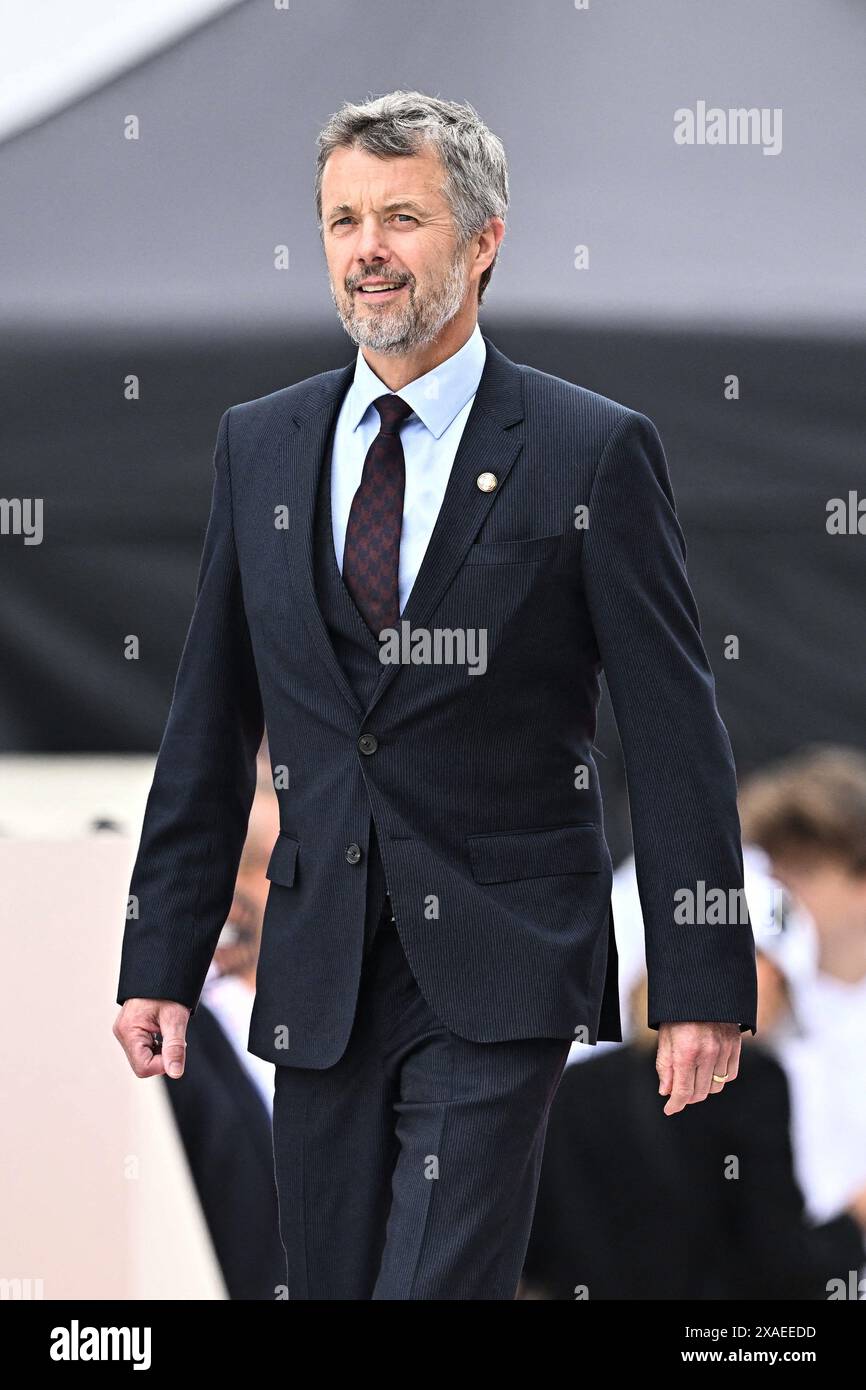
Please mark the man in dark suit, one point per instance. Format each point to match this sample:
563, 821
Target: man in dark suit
415, 570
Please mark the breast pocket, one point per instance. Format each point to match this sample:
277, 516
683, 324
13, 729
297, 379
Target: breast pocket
521, 552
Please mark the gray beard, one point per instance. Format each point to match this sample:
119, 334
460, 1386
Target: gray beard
399, 329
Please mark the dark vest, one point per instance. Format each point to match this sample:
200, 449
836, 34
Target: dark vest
357, 651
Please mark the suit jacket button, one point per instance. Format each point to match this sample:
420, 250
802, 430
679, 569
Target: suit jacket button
353, 854
368, 743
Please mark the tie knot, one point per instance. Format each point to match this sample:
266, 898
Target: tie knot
392, 412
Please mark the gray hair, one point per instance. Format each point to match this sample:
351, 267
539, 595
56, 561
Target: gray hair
401, 124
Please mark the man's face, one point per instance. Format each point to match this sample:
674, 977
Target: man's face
386, 220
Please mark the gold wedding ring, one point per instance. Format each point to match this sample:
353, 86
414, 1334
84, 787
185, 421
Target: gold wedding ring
720, 1078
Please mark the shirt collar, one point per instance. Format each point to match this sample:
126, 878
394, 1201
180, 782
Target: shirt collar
437, 397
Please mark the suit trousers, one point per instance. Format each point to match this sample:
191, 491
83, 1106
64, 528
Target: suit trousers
410, 1168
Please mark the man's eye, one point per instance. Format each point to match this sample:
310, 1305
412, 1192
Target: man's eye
342, 220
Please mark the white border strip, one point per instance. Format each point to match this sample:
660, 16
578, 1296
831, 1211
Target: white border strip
42, 70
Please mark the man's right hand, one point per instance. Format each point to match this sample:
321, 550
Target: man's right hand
135, 1026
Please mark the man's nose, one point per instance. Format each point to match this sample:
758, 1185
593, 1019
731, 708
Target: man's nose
371, 248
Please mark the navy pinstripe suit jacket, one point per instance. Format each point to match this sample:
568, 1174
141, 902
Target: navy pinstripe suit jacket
482, 785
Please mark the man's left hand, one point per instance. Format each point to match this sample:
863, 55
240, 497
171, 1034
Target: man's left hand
689, 1055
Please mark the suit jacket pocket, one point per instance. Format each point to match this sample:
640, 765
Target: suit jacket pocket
514, 854
281, 865
512, 552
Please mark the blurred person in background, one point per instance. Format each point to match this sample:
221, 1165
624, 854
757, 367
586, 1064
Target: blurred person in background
631, 1207
807, 812
230, 986
223, 1102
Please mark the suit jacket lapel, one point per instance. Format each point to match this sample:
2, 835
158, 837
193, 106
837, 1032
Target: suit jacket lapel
302, 456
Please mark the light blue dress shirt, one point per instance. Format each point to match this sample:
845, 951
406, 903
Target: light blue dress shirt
441, 401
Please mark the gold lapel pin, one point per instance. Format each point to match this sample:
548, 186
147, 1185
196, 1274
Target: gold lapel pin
486, 481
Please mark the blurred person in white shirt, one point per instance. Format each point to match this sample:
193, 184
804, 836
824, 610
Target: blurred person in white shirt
807, 813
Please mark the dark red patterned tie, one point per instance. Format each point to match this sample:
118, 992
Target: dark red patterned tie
371, 555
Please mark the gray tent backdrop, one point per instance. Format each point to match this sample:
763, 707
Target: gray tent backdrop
156, 257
